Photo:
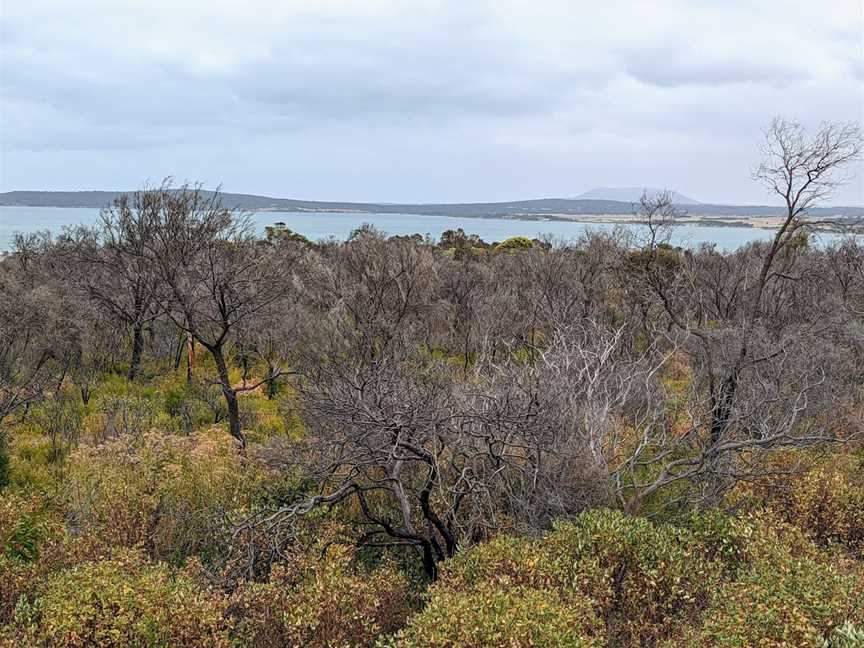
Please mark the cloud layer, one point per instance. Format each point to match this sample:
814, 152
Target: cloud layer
419, 100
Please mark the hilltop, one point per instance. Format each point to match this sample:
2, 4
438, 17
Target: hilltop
631, 194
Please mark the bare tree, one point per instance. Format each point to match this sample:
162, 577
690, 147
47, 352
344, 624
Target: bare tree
32, 360
745, 354
26, 367
216, 276
432, 460
112, 268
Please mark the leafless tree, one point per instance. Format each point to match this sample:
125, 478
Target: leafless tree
31, 361
745, 354
216, 276
113, 270
433, 459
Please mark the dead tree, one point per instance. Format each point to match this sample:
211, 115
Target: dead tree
743, 352
112, 268
216, 275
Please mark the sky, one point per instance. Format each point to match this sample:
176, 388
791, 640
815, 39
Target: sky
418, 100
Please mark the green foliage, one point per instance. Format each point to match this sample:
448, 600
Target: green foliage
279, 233
514, 244
642, 580
269, 417
124, 601
60, 419
826, 501
24, 525
25, 529
718, 581
519, 616
846, 636
106, 501
787, 592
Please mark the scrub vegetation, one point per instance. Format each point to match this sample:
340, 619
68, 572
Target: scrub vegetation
208, 438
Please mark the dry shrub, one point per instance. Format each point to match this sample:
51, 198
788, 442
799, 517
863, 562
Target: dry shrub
826, 500
161, 492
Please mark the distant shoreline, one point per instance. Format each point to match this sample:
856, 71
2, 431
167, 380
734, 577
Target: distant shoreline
761, 222
585, 210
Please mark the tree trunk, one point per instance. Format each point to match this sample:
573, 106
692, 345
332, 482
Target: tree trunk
137, 346
430, 566
190, 358
722, 407
272, 386
230, 396
181, 342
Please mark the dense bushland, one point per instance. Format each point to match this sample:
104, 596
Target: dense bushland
210, 438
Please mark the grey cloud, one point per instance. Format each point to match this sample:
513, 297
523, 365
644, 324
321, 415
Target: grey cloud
467, 96
683, 65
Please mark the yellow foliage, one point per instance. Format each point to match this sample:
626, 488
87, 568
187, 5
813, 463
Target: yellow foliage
123, 601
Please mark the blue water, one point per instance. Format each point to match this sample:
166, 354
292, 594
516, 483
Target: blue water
319, 225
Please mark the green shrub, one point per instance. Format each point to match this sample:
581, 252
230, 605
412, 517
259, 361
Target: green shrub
116, 416
518, 616
826, 501
643, 580
515, 244
24, 530
124, 601
787, 592
717, 581
652, 577
60, 419
846, 636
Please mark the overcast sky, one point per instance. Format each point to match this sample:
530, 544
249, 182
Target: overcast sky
412, 100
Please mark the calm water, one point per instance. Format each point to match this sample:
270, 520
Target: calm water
340, 224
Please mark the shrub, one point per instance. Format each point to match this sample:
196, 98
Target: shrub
515, 244
161, 492
717, 581
25, 529
23, 526
643, 580
653, 577
787, 591
520, 616
124, 601
846, 636
322, 603
117, 416
826, 501
60, 420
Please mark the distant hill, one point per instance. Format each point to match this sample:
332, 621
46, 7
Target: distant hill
543, 208
631, 194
